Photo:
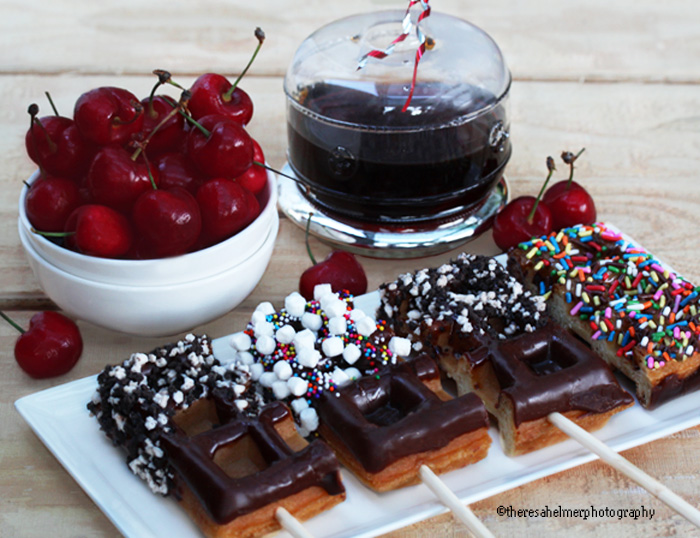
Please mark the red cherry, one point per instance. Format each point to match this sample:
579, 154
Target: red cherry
83, 189
50, 347
170, 135
168, 222
340, 269
116, 180
524, 218
226, 208
210, 96
56, 145
226, 152
98, 230
50, 201
139, 251
175, 170
570, 204
253, 206
512, 225
108, 115
258, 154
255, 178
214, 94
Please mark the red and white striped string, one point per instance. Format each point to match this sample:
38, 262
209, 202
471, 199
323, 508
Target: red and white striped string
407, 29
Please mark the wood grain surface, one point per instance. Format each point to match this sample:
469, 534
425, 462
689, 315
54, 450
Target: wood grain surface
619, 78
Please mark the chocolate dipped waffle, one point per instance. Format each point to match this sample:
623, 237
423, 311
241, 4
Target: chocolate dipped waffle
343, 374
643, 319
385, 427
492, 337
199, 432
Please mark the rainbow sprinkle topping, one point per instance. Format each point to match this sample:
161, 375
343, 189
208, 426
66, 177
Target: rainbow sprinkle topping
625, 294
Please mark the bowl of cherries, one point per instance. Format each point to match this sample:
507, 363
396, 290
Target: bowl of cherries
149, 216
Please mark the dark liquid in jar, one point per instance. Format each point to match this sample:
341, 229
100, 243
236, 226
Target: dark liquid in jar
374, 162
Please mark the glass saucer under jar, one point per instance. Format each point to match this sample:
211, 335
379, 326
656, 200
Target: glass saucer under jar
427, 172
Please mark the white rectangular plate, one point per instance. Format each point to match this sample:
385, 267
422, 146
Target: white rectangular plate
60, 419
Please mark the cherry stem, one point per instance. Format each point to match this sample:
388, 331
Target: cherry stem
569, 158
11, 322
306, 239
193, 121
150, 174
164, 77
138, 110
151, 111
33, 112
55, 110
198, 125
266, 167
551, 168
260, 35
172, 83
52, 234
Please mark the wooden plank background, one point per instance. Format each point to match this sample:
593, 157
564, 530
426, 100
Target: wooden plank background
620, 78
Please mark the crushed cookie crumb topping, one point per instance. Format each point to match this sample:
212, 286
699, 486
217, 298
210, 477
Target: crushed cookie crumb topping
472, 291
135, 401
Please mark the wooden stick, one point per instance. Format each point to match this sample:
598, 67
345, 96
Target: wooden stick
613, 459
449, 499
291, 524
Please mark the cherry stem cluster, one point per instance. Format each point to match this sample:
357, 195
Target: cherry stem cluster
260, 35
164, 77
184, 98
551, 168
11, 322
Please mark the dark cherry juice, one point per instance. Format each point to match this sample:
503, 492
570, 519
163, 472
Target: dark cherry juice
361, 156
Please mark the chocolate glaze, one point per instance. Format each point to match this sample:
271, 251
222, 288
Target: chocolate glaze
384, 418
550, 370
671, 387
488, 316
288, 472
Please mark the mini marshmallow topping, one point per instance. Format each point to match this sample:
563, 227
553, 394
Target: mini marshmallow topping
317, 348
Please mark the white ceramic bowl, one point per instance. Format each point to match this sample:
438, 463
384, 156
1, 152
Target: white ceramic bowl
152, 310
177, 269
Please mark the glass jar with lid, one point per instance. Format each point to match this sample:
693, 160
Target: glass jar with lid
378, 149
